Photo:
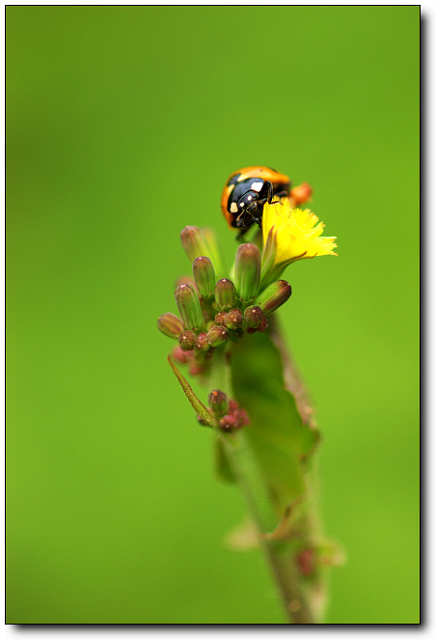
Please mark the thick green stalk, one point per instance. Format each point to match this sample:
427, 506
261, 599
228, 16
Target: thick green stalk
260, 509
300, 607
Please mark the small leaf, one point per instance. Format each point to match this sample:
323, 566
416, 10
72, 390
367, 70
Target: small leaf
292, 378
196, 403
279, 438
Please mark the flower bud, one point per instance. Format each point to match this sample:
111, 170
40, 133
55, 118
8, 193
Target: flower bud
218, 402
220, 317
181, 356
225, 294
247, 271
197, 368
170, 325
193, 243
235, 418
204, 275
301, 194
228, 422
253, 316
214, 252
189, 307
234, 319
274, 296
187, 340
217, 335
202, 345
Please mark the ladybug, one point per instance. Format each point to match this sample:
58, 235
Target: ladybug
246, 192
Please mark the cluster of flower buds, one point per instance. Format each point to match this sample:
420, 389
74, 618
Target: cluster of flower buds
213, 309
228, 414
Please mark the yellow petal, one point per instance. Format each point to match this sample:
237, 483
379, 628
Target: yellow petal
299, 232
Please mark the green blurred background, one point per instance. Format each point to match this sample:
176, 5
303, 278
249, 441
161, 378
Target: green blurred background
123, 124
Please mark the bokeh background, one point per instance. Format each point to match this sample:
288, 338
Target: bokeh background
123, 124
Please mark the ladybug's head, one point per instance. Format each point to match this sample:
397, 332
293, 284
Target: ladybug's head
248, 202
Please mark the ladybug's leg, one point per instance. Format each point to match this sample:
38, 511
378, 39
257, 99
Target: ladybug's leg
265, 195
280, 194
267, 192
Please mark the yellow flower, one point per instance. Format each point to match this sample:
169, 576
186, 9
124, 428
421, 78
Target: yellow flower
298, 233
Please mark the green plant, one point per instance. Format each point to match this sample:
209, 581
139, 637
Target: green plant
266, 436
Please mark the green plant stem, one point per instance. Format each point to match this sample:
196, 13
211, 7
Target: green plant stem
261, 510
279, 554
